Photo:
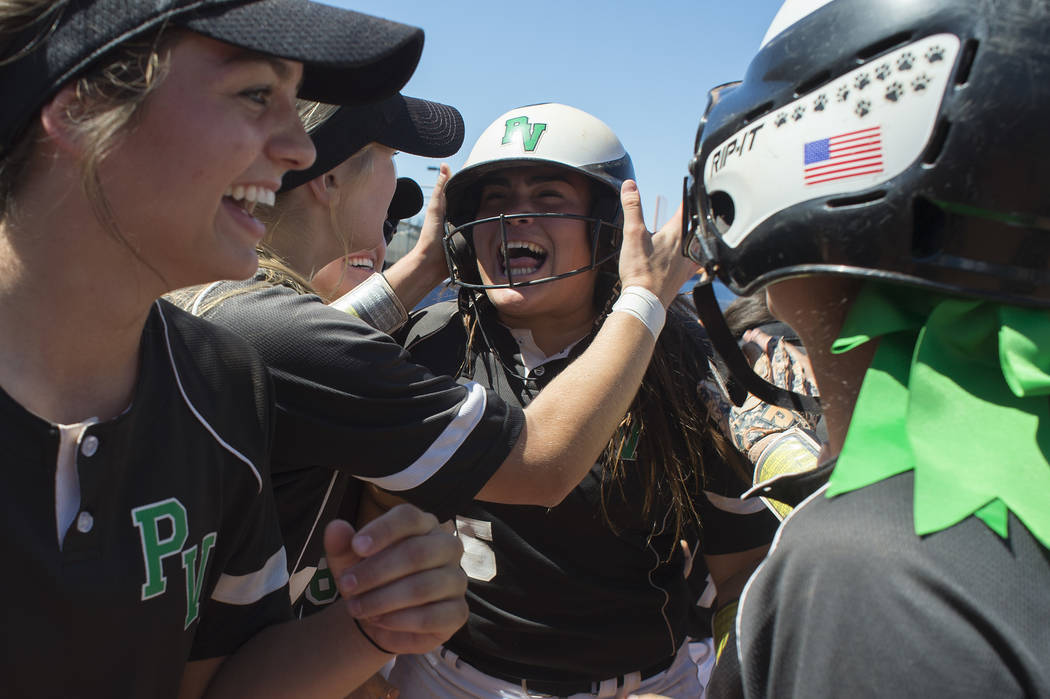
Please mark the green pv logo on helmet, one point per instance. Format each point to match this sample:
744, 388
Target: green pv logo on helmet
530, 134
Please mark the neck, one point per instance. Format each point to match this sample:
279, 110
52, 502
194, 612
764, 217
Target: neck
839, 378
73, 303
816, 308
553, 333
298, 232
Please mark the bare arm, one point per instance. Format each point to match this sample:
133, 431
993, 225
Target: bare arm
423, 267
399, 576
569, 423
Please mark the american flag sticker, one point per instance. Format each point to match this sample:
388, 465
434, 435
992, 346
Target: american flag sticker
847, 155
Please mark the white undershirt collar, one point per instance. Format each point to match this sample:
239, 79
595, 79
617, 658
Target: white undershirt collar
531, 355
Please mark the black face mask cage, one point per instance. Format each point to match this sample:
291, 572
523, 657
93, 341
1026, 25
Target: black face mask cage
462, 263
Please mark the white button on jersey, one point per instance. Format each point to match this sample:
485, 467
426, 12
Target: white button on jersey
89, 446
85, 522
538, 371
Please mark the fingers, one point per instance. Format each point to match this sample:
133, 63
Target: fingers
421, 628
754, 344
338, 536
436, 205
406, 584
439, 618
398, 523
631, 201
380, 573
673, 228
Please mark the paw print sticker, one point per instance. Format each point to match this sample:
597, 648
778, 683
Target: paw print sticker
862, 81
905, 61
820, 103
799, 111
920, 83
883, 71
934, 53
862, 108
894, 92
843, 93
781, 119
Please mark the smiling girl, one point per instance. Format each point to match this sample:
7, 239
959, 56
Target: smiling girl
138, 511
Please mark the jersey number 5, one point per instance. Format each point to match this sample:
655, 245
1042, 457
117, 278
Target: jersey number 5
479, 560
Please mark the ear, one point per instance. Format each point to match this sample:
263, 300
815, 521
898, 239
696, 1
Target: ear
54, 118
323, 188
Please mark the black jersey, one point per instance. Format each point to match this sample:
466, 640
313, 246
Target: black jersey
851, 602
555, 593
348, 398
176, 553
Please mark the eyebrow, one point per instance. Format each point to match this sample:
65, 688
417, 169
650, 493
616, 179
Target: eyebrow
277, 65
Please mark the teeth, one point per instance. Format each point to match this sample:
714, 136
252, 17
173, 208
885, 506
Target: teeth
252, 194
517, 270
360, 262
531, 247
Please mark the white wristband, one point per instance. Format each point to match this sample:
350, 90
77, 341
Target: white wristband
643, 305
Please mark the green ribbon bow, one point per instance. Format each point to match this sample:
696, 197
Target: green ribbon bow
959, 392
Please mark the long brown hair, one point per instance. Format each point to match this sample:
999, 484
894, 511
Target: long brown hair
667, 421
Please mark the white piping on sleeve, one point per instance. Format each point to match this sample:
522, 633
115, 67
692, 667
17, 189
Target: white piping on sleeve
442, 449
295, 588
735, 506
249, 589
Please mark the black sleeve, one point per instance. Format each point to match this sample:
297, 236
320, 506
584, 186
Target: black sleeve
349, 397
228, 383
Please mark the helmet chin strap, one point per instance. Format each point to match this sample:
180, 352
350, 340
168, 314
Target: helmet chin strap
743, 379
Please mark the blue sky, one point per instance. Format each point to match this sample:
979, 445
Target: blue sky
642, 67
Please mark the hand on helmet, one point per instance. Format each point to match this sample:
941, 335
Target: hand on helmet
654, 261
429, 246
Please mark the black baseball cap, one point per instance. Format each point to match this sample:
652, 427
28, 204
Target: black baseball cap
348, 57
408, 124
406, 202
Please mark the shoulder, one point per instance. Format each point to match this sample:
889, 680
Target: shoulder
428, 322
853, 582
221, 377
294, 331
436, 338
213, 349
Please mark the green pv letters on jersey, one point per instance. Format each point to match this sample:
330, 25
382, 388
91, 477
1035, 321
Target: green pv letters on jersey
155, 549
